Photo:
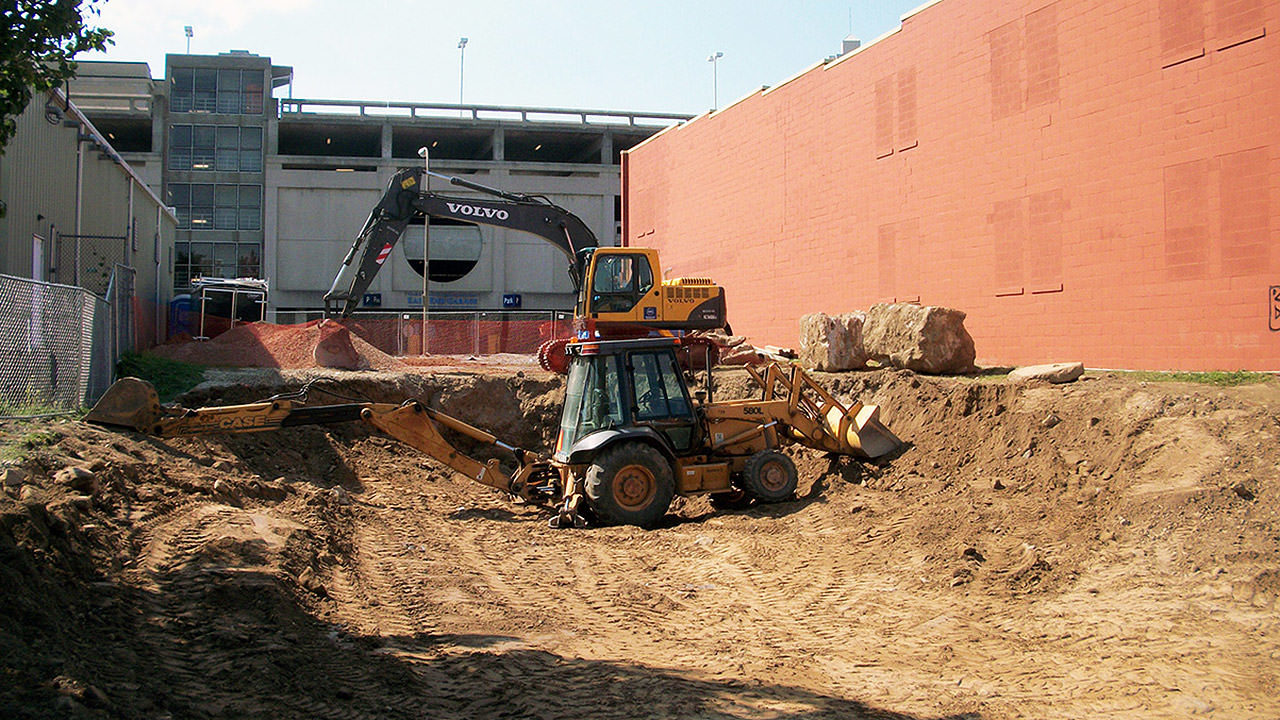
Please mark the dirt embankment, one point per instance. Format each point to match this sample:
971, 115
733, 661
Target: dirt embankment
1101, 549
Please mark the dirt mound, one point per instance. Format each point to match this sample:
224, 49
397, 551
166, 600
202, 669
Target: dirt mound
274, 346
1103, 549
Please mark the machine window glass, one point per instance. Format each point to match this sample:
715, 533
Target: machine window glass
651, 391
593, 399
657, 387
620, 281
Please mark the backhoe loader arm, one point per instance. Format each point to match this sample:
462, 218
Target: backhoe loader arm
134, 404
406, 198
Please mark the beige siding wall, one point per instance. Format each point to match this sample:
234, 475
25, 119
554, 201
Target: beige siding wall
38, 185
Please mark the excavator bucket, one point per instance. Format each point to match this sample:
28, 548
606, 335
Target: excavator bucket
129, 402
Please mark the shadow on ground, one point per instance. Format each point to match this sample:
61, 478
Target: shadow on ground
209, 642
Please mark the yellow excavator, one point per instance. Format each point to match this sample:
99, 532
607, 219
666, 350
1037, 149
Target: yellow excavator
631, 437
621, 291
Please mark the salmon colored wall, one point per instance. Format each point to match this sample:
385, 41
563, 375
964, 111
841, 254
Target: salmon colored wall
1089, 180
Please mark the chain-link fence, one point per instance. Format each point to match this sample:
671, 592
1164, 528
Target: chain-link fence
454, 332
59, 344
88, 261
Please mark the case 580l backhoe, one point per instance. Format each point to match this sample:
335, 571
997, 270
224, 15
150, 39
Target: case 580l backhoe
631, 436
621, 292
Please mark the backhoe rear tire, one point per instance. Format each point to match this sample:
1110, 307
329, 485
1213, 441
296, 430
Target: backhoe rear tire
770, 477
630, 484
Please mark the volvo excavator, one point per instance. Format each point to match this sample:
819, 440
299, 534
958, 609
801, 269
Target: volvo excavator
620, 290
632, 434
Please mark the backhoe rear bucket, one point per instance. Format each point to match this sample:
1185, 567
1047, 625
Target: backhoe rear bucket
129, 402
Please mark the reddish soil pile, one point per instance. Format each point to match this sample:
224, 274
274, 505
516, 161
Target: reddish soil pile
273, 346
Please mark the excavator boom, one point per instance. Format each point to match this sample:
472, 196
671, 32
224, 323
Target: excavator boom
407, 197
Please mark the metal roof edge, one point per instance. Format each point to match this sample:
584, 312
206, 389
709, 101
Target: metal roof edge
106, 147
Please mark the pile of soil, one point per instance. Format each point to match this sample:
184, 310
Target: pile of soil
1103, 549
268, 345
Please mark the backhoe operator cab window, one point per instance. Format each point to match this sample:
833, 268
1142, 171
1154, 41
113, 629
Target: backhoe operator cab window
660, 400
593, 400
620, 281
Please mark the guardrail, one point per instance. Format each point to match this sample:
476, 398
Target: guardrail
296, 106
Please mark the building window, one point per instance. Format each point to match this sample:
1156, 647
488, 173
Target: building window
215, 259
205, 206
232, 92
226, 148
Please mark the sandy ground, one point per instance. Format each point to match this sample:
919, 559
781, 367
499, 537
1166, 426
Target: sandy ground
1104, 549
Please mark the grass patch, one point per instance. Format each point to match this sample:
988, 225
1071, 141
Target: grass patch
170, 377
17, 449
1218, 379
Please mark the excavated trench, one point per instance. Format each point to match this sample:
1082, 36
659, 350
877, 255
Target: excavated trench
1024, 533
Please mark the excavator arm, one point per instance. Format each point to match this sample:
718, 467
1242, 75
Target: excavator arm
134, 404
406, 198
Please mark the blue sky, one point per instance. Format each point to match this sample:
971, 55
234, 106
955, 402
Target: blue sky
644, 55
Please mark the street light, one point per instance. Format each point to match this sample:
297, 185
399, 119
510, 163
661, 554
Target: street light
715, 79
462, 59
187, 30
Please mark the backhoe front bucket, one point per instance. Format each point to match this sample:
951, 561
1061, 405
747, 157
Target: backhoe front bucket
820, 421
862, 430
129, 402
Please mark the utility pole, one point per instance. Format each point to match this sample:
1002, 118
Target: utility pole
715, 79
462, 63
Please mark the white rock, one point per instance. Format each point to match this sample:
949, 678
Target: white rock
1053, 372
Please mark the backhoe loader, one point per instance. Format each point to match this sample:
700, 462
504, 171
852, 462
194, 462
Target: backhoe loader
621, 291
631, 436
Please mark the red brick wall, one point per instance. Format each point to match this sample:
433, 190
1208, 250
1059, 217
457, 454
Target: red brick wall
1089, 180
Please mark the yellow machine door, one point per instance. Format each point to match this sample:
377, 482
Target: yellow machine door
622, 288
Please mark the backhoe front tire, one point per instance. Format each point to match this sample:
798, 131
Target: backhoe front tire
630, 484
770, 477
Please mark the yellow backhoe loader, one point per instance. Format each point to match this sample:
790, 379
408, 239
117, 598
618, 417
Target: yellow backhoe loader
631, 434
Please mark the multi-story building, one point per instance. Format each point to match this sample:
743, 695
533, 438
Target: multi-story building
277, 187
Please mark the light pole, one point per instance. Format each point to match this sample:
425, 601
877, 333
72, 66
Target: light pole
462, 61
715, 79
187, 30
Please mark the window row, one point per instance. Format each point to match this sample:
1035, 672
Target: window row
222, 259
226, 148
237, 92
205, 206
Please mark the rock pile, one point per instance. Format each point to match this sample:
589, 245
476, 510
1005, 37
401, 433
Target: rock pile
926, 339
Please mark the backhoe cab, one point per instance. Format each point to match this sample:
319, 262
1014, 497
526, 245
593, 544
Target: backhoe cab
631, 434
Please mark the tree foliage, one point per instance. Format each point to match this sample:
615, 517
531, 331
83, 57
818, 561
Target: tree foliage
37, 46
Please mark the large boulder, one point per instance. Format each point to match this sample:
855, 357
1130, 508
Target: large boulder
832, 343
925, 339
